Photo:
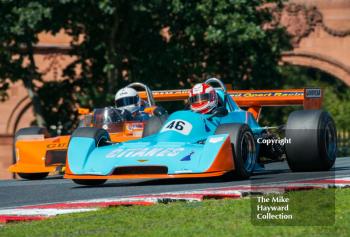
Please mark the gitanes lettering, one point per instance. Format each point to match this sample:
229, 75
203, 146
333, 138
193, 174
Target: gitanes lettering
145, 152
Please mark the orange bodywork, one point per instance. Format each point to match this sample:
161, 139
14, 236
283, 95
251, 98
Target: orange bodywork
36, 154
222, 164
31, 154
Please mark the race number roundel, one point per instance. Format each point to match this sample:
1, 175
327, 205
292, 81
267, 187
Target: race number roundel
178, 125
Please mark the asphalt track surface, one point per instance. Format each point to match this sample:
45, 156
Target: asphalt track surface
14, 193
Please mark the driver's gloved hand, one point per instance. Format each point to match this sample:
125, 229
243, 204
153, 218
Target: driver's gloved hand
126, 114
159, 111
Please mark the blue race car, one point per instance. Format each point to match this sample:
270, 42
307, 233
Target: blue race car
228, 142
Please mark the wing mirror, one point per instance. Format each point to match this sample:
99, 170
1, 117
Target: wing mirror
218, 112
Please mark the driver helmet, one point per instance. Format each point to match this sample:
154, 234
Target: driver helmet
202, 98
128, 98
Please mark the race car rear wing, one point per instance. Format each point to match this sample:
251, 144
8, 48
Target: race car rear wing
309, 98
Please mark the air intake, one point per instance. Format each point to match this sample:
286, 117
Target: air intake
55, 157
134, 170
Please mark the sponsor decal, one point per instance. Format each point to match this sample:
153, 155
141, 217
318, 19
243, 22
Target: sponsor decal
266, 94
313, 93
236, 94
197, 89
188, 157
142, 161
133, 126
216, 139
145, 152
183, 171
177, 125
56, 145
170, 92
123, 92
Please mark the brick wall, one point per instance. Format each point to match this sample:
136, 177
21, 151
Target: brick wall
5, 156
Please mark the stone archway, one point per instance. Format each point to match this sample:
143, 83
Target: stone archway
317, 61
20, 108
320, 35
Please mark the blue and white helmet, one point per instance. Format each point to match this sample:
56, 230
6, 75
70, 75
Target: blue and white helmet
128, 98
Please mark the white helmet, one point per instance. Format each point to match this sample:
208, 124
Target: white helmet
127, 98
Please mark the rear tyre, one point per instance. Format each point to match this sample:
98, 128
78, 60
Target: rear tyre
243, 148
313, 139
29, 131
33, 131
153, 125
33, 176
90, 182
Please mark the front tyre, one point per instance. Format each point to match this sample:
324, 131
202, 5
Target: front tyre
243, 148
100, 136
313, 141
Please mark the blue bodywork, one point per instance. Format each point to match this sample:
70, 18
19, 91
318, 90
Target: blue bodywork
186, 144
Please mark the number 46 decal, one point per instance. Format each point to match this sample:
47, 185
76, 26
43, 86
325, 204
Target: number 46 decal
178, 125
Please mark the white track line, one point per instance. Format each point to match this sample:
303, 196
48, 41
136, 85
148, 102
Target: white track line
43, 212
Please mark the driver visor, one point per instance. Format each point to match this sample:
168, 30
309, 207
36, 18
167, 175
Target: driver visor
126, 101
199, 98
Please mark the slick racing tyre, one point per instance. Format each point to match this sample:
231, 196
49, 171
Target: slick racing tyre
90, 182
32, 176
313, 141
30, 131
100, 135
243, 148
153, 125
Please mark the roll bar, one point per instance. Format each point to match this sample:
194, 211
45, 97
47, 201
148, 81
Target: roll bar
148, 91
214, 80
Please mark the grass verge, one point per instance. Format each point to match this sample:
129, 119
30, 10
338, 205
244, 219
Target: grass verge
208, 218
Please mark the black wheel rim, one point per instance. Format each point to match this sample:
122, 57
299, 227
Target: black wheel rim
248, 151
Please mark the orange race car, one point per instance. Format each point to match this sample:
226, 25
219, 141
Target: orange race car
37, 154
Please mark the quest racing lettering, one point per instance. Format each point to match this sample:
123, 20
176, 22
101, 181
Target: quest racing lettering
145, 152
266, 94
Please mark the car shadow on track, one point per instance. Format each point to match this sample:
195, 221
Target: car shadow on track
180, 181
54, 177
